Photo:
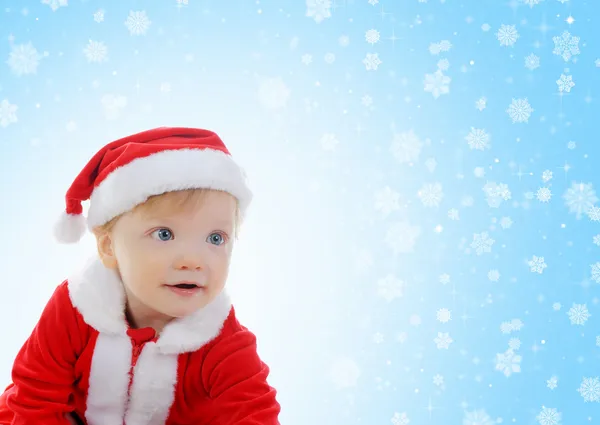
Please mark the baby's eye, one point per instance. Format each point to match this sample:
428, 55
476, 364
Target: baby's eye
163, 234
216, 238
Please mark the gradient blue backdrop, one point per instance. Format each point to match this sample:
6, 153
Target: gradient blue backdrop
350, 268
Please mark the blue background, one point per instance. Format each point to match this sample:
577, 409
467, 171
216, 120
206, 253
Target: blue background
317, 245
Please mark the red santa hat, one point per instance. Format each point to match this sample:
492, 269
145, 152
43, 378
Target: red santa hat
128, 171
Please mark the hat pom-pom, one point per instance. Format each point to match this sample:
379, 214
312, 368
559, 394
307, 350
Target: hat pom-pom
70, 228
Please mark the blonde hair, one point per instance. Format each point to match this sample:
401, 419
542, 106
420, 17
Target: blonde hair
170, 202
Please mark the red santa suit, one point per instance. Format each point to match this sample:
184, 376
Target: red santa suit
83, 358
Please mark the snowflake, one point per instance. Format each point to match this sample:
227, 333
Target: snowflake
437, 83
566, 45
481, 103
444, 315
537, 264
519, 110
544, 194
373, 2
552, 383
596, 272
453, 214
372, 61
508, 362
431, 194
493, 275
532, 62
596, 241
571, 145
590, 389
390, 288
400, 419
443, 340
565, 83
478, 139
531, 3
24, 59
578, 314
8, 113
137, 23
438, 380
443, 64
579, 198
95, 51
496, 194
507, 35
444, 279
387, 200
549, 416
506, 222
514, 344
478, 417
406, 147
594, 213
546, 176
99, 15
55, 4
598, 341
372, 36
482, 243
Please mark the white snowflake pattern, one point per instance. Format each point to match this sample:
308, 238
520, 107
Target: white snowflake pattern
406, 147
519, 110
387, 200
549, 416
8, 113
319, 10
443, 340
507, 35
478, 139
390, 288
372, 36
96, 51
400, 419
137, 22
482, 243
566, 45
431, 194
56, 4
579, 198
537, 264
578, 314
372, 62
23, 59
565, 83
589, 389
532, 62
437, 84
508, 362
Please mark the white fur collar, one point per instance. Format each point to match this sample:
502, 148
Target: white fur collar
97, 292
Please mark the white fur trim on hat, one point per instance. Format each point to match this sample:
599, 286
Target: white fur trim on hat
162, 172
69, 228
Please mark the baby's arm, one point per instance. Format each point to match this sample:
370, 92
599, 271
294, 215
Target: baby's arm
43, 371
236, 380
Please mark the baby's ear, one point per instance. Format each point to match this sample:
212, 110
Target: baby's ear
104, 245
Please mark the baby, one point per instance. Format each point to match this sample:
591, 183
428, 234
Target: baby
145, 334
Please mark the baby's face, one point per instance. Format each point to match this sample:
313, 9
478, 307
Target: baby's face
176, 264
